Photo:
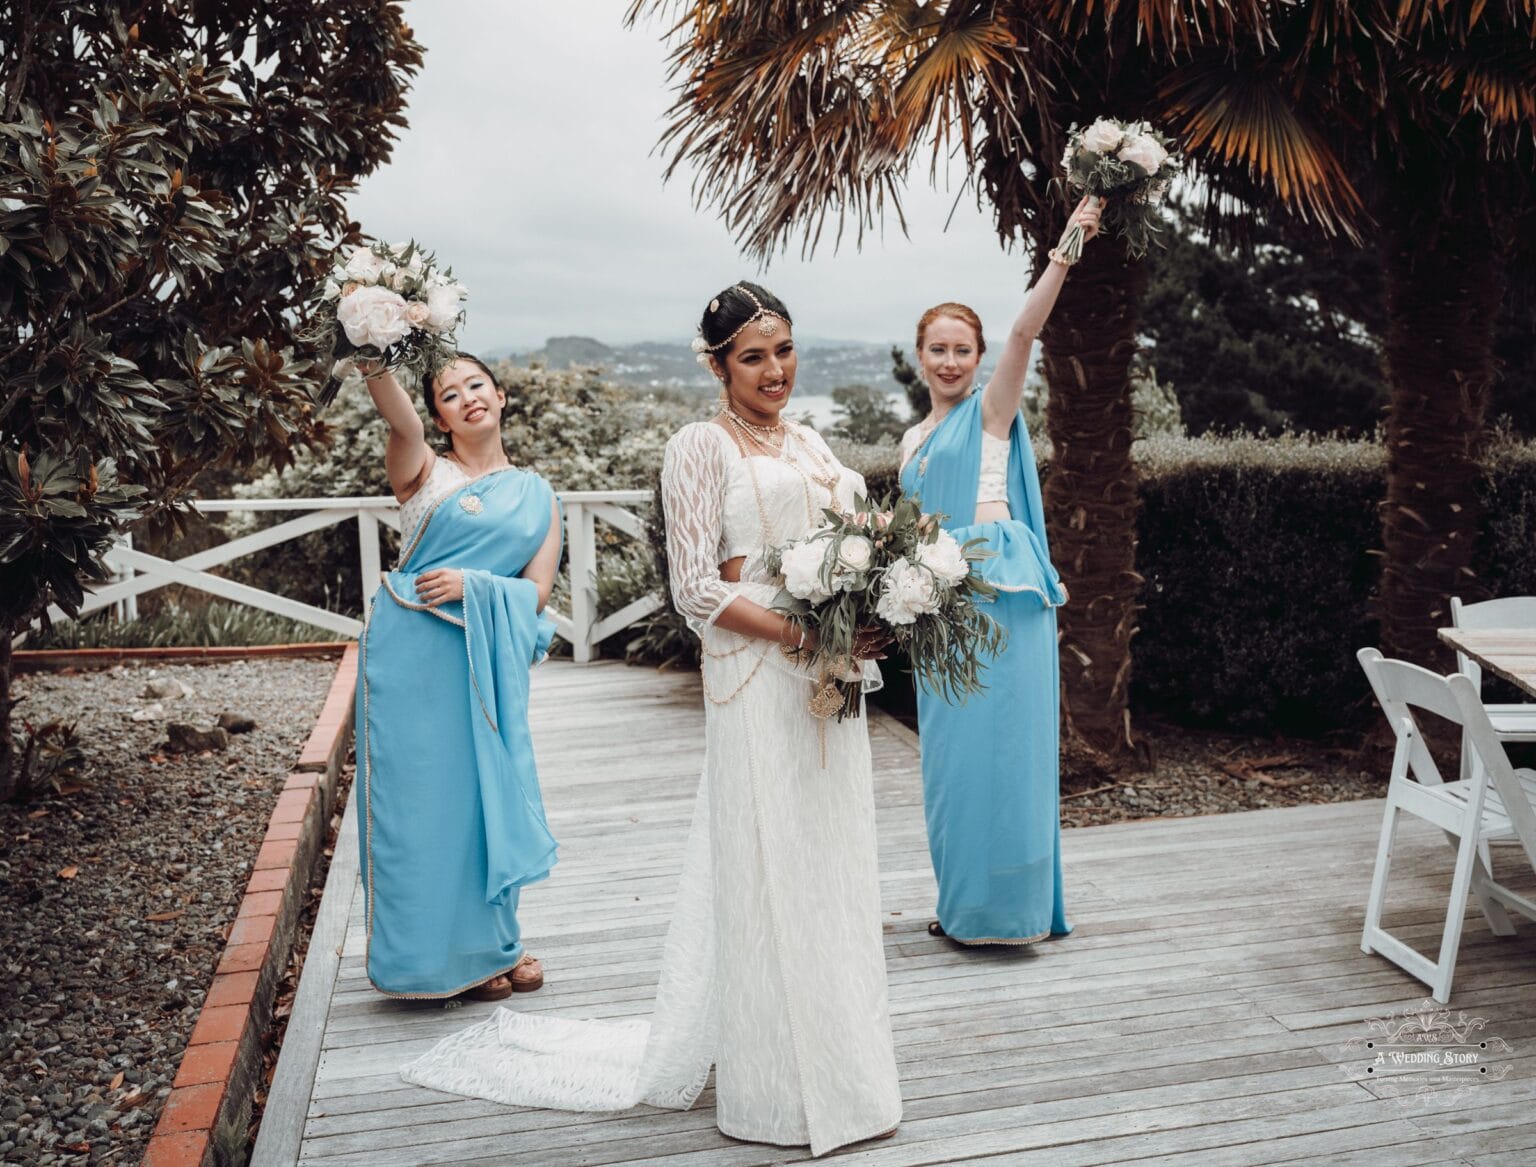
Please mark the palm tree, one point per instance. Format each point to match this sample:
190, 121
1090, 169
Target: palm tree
1427, 114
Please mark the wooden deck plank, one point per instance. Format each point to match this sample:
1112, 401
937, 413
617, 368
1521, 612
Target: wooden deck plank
1201, 1013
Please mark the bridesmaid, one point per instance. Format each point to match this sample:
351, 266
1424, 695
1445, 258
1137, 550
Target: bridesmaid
451, 821
991, 765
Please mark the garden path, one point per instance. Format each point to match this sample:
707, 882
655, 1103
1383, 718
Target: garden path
1211, 1008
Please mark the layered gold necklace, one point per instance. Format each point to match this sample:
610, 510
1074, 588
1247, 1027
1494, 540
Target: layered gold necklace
822, 472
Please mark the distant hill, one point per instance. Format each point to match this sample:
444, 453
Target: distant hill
670, 364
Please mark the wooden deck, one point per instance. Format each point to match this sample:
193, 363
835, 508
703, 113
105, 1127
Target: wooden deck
1202, 1012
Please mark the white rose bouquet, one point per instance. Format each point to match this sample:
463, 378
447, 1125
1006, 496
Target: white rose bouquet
1130, 166
388, 303
894, 567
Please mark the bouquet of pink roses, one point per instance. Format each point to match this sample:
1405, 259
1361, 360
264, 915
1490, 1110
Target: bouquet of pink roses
1130, 166
896, 568
387, 303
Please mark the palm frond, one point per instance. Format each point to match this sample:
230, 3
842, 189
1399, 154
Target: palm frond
1244, 120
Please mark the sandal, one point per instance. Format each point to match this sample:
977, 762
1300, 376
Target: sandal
937, 929
531, 978
497, 988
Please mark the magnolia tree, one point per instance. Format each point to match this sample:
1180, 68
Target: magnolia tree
171, 189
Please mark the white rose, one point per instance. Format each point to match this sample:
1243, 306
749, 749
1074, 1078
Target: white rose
802, 563
417, 312
373, 316
945, 558
1103, 137
443, 306
394, 276
855, 553
1145, 152
364, 266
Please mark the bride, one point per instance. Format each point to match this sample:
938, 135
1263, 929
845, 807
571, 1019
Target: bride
773, 970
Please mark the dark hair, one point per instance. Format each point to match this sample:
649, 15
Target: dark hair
732, 308
960, 312
426, 382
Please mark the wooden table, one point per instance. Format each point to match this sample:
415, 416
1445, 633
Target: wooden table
1505, 652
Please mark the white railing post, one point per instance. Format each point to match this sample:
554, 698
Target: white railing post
582, 527
368, 555
128, 608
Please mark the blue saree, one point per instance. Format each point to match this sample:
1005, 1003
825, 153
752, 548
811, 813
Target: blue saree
991, 766
451, 822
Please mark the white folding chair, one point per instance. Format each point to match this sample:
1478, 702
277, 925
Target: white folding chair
1497, 802
1511, 722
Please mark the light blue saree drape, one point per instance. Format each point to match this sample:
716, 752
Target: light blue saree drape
991, 766
451, 821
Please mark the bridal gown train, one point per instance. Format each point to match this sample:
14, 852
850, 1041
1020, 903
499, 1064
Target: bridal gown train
773, 970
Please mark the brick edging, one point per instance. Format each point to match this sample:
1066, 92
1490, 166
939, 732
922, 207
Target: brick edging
221, 1067
36, 660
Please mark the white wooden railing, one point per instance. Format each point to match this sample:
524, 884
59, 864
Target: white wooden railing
136, 572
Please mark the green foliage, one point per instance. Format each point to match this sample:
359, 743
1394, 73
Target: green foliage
50, 756
865, 415
173, 182
1266, 341
179, 624
911, 383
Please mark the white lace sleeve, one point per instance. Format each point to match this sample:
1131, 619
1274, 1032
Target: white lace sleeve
693, 497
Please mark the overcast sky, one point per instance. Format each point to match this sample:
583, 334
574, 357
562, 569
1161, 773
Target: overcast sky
529, 166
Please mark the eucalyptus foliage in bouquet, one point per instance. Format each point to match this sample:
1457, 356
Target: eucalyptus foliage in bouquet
894, 567
388, 303
1130, 166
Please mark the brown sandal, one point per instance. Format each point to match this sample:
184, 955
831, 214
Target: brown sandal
533, 978
490, 990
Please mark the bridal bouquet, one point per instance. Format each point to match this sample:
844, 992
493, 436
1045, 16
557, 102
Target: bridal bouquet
893, 567
1129, 165
389, 303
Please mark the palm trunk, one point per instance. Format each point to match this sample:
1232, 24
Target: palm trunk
1090, 490
1443, 294
9, 776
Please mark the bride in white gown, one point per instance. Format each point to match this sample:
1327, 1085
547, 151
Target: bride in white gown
773, 970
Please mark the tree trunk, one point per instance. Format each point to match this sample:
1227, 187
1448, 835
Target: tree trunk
1090, 490
8, 759
1443, 292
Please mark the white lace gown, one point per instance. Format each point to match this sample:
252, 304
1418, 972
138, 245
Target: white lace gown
773, 970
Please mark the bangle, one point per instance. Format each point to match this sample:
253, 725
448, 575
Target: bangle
1057, 257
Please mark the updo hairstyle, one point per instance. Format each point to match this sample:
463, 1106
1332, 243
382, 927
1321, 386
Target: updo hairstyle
960, 312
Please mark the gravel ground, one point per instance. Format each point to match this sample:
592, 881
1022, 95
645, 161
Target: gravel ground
116, 895
1197, 772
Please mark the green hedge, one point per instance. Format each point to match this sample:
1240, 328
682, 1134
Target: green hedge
1257, 557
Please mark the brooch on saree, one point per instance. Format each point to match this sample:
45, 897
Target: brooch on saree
471, 504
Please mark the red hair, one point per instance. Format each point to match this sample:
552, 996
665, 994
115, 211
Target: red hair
960, 312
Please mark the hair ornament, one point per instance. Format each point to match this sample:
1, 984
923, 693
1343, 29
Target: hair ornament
766, 319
